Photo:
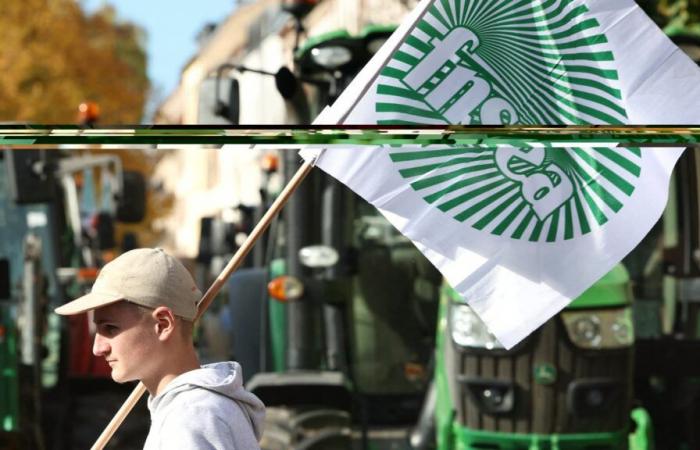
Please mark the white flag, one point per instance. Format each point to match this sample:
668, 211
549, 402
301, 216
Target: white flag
518, 232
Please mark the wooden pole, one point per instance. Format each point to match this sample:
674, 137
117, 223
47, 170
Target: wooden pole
208, 297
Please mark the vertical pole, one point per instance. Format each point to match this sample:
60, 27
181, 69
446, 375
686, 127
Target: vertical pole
333, 221
299, 233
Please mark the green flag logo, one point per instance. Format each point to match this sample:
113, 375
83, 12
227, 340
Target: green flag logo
511, 62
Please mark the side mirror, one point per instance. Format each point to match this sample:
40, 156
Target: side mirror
30, 175
286, 83
231, 110
219, 102
298, 8
131, 206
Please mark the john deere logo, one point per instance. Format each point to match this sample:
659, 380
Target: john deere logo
504, 62
545, 374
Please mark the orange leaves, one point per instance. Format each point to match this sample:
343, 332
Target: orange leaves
54, 56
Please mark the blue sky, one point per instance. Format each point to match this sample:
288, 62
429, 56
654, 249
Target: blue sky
171, 27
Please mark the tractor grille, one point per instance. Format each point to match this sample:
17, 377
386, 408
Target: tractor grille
587, 391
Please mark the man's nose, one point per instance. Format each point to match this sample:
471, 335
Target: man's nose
100, 347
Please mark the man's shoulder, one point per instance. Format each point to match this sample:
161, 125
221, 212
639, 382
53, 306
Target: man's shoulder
203, 415
199, 398
192, 427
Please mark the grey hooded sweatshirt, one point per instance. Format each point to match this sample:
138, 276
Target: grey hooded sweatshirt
207, 409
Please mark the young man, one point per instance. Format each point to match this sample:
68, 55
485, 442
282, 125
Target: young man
144, 303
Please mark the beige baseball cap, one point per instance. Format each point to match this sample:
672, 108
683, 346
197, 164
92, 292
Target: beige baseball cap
145, 276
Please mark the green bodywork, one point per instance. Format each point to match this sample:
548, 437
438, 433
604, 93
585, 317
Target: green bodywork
611, 290
14, 221
639, 440
9, 383
464, 438
377, 320
321, 39
341, 37
277, 322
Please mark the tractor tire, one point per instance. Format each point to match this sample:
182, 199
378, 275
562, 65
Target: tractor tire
306, 429
277, 434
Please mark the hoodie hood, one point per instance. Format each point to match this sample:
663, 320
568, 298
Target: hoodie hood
223, 378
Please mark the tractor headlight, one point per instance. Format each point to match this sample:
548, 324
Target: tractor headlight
375, 44
585, 331
332, 56
468, 330
600, 329
318, 256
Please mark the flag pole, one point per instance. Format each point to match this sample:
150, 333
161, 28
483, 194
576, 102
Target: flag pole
208, 297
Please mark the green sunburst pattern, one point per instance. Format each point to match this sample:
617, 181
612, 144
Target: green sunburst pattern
532, 63
469, 185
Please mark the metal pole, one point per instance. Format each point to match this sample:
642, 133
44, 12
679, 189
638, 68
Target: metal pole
332, 235
209, 296
301, 354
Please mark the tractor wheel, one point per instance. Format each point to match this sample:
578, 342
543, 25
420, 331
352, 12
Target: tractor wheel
306, 429
277, 434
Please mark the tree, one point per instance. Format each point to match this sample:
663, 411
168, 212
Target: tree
53, 57
676, 14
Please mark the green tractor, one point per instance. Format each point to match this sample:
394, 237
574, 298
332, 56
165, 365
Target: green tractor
612, 371
359, 308
569, 385
27, 280
347, 334
53, 241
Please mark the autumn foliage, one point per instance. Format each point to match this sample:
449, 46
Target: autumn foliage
53, 57
677, 13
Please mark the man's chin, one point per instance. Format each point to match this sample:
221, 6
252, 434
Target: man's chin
121, 378
117, 378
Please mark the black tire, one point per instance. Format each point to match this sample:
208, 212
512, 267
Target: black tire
306, 429
277, 434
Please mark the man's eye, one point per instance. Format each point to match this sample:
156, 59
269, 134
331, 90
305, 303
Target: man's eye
109, 329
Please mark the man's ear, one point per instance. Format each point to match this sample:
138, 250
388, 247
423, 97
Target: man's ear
164, 322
